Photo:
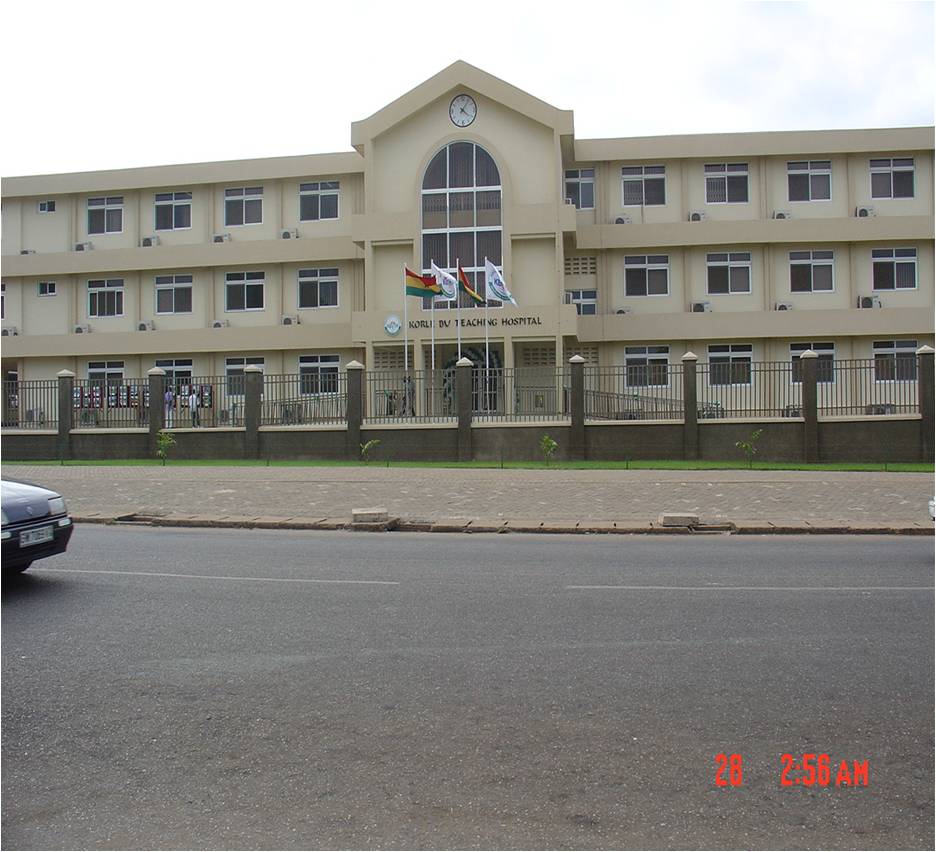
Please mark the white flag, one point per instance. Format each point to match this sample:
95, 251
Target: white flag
446, 281
496, 288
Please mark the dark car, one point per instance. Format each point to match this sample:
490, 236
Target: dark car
35, 524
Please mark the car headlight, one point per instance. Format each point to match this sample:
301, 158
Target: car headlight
57, 505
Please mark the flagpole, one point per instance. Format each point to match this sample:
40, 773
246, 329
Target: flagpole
487, 364
432, 323
405, 327
458, 306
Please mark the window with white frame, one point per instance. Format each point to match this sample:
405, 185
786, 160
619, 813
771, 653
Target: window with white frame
809, 180
173, 211
47, 206
173, 294
178, 371
234, 371
895, 360
646, 275
318, 288
461, 218
585, 301
318, 374
812, 272
318, 200
243, 205
894, 269
243, 291
730, 363
580, 188
47, 288
105, 297
105, 214
105, 373
646, 366
726, 183
892, 178
643, 185
728, 272
825, 363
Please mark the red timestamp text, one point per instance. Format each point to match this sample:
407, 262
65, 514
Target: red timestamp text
811, 769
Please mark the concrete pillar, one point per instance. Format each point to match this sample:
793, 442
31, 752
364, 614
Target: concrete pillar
577, 405
463, 407
157, 420
253, 394
810, 376
354, 411
66, 412
690, 407
927, 420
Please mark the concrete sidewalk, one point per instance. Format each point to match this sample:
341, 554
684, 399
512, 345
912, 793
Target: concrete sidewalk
493, 500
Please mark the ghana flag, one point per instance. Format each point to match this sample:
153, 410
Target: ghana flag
420, 285
465, 285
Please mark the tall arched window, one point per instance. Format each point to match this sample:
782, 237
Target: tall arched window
461, 216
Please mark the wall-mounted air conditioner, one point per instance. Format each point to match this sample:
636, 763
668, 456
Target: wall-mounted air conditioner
83, 246
9, 331
146, 325
783, 306
881, 408
782, 214
700, 307
289, 320
289, 234
148, 242
696, 215
623, 219
82, 329
864, 212
623, 310
221, 238
27, 251
869, 302
219, 323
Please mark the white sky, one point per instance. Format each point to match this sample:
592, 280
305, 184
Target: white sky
96, 85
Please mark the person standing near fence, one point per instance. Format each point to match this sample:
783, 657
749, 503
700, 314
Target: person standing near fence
169, 400
193, 406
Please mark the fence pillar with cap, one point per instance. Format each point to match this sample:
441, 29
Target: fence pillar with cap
690, 407
157, 418
66, 411
354, 411
810, 399
577, 406
926, 391
463, 371
253, 394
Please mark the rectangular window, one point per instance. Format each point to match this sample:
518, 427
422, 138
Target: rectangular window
105, 373
173, 294
234, 371
726, 183
105, 297
825, 364
643, 185
894, 269
585, 301
105, 215
647, 366
892, 178
244, 291
173, 211
895, 360
811, 272
809, 180
318, 288
46, 206
646, 275
318, 374
178, 371
580, 188
46, 288
728, 272
730, 364
243, 205
318, 200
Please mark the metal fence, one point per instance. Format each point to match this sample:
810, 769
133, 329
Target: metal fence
304, 399
219, 402
520, 393
117, 404
874, 386
742, 388
410, 396
634, 392
30, 404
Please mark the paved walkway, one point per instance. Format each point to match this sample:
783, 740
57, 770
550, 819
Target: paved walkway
520, 498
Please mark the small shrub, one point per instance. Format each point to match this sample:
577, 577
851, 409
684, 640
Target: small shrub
165, 441
749, 447
548, 448
367, 448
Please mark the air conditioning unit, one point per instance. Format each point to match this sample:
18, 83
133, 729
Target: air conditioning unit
783, 306
864, 212
221, 238
570, 201
147, 242
623, 311
83, 246
289, 234
881, 408
696, 215
700, 307
219, 323
288, 320
27, 251
82, 329
869, 302
623, 219
146, 326
782, 214
9, 331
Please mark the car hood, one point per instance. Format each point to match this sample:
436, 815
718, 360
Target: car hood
24, 502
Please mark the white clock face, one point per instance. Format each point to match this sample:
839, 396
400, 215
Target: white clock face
463, 110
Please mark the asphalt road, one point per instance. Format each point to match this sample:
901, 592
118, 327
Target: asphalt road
249, 689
